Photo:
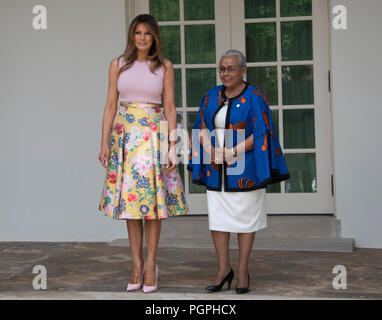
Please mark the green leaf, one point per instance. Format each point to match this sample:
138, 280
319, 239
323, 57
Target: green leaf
107, 201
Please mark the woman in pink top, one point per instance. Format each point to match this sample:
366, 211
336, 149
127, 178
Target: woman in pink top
137, 185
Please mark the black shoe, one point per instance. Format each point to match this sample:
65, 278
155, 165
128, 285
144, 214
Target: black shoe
217, 288
243, 290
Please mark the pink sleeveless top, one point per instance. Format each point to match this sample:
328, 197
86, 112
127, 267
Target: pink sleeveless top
139, 84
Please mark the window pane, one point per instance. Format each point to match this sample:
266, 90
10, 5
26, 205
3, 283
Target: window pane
195, 188
296, 40
297, 85
273, 188
179, 142
292, 8
198, 82
260, 9
180, 125
170, 36
178, 87
260, 42
275, 120
200, 43
199, 10
299, 128
191, 118
165, 10
302, 169
265, 78
179, 119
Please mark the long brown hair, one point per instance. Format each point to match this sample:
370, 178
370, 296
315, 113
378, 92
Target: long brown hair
155, 54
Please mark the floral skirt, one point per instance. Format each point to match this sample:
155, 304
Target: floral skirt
137, 185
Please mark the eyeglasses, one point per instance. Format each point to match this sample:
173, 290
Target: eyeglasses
229, 69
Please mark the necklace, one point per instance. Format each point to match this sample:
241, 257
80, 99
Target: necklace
236, 92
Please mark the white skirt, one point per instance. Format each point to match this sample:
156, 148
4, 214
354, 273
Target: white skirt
238, 212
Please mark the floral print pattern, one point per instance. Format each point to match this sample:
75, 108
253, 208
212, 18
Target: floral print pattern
136, 185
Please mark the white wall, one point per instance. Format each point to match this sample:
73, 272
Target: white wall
357, 114
53, 91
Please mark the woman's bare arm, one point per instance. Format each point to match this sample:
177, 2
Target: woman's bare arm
169, 101
170, 112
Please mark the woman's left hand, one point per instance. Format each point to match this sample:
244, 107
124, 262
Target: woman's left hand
228, 156
219, 155
171, 159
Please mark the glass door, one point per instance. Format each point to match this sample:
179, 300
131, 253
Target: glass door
286, 45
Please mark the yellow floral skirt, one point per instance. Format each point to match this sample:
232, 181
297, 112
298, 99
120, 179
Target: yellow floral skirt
137, 185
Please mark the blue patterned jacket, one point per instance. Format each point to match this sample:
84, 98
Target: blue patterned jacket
262, 165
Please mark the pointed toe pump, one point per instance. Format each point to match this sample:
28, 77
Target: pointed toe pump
228, 278
243, 290
136, 286
147, 289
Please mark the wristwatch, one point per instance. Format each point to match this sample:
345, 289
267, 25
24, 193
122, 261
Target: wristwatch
234, 154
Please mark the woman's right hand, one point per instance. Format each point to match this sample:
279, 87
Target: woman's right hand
104, 156
218, 155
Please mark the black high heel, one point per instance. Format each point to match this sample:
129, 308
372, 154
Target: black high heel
243, 290
216, 288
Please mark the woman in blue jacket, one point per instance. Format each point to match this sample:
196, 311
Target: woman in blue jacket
235, 153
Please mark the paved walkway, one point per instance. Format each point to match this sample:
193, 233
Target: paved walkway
99, 271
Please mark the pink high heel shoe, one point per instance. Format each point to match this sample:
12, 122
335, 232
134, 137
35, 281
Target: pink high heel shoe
136, 286
147, 289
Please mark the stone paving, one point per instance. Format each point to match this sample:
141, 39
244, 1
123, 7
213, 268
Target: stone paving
89, 270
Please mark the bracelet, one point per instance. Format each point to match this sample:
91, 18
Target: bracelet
172, 136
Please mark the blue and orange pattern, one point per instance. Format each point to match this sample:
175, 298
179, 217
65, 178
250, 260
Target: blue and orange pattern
263, 165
